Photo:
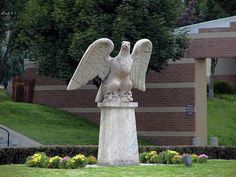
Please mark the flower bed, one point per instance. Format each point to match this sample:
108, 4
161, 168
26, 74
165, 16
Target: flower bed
41, 160
169, 157
18, 155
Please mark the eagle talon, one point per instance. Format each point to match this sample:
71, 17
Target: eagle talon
124, 97
111, 97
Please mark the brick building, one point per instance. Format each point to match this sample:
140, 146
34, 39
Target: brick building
173, 109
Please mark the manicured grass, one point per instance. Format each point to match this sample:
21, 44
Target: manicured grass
213, 168
222, 119
46, 125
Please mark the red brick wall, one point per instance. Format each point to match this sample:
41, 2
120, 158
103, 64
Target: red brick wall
162, 97
212, 48
63, 98
169, 121
31, 73
174, 73
169, 141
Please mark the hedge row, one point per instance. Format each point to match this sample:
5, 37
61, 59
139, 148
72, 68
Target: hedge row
19, 155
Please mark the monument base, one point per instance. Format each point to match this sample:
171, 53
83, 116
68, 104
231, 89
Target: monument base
118, 145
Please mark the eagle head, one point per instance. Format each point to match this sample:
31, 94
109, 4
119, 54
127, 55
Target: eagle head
125, 45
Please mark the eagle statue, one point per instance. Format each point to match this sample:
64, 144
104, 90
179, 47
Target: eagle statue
118, 74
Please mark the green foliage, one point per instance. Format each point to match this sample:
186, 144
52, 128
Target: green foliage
41, 160
53, 162
91, 160
65, 163
78, 161
143, 157
11, 62
222, 87
194, 157
148, 157
37, 160
167, 156
221, 116
3, 95
10, 67
205, 10
177, 159
57, 33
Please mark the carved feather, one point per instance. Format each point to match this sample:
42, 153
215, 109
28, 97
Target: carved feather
141, 55
95, 62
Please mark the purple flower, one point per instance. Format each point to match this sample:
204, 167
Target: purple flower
66, 158
203, 156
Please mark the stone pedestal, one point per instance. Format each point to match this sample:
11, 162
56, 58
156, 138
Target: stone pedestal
118, 145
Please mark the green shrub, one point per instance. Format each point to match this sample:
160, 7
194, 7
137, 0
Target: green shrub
155, 159
78, 161
41, 160
194, 157
177, 159
92, 160
148, 157
37, 160
64, 163
222, 87
167, 156
143, 157
53, 162
170, 157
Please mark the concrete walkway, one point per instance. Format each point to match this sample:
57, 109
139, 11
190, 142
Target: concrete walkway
16, 139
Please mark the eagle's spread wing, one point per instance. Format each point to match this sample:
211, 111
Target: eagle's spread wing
93, 63
141, 55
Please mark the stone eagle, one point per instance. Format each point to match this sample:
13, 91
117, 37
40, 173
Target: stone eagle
118, 74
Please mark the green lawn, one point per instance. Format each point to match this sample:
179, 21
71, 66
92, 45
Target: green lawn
222, 119
213, 168
47, 125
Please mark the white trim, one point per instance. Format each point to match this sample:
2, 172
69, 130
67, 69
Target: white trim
81, 110
92, 87
61, 87
161, 109
167, 133
213, 35
170, 85
139, 109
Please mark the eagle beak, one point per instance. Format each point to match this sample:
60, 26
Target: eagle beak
126, 46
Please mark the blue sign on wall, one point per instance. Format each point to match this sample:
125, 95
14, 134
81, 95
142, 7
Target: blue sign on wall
189, 109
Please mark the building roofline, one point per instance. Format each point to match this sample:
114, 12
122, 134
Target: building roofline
218, 23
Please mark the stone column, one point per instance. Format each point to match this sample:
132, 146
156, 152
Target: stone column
201, 100
118, 145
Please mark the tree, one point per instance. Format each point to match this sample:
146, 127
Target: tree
214, 62
57, 33
11, 63
197, 11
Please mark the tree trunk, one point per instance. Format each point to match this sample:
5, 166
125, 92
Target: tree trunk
214, 62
